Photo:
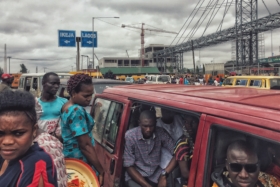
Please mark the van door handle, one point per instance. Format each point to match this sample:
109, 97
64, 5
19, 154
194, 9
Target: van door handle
112, 166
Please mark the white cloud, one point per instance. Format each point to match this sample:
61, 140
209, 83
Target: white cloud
29, 28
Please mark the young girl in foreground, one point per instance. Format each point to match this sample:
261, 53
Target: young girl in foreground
22, 162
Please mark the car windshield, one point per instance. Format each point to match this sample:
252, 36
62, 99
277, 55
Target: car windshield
128, 78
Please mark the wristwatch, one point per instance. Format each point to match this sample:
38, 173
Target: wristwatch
164, 173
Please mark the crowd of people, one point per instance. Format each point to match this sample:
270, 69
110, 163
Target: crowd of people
37, 134
33, 147
197, 80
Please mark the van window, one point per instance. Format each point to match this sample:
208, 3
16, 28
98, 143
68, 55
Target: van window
35, 83
228, 82
21, 82
219, 141
154, 78
27, 84
241, 82
275, 83
163, 79
107, 115
180, 125
257, 83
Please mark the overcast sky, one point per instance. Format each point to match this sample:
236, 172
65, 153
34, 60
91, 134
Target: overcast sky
29, 28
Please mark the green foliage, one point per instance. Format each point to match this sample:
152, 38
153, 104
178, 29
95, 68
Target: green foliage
109, 75
23, 68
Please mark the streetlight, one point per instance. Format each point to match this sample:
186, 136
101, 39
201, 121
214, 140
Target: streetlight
93, 37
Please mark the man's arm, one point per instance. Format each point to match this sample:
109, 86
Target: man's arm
137, 177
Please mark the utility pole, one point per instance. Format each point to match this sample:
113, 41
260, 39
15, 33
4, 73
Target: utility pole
9, 63
36, 69
44, 69
193, 58
5, 59
78, 39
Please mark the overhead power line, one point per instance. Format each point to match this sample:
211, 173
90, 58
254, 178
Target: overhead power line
198, 23
189, 22
184, 25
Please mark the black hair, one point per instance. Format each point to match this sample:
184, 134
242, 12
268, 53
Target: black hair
147, 114
46, 76
76, 81
12, 102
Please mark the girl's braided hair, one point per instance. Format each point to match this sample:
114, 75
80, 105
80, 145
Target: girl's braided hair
75, 82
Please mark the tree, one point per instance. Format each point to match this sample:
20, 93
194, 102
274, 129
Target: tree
23, 68
188, 71
109, 75
197, 70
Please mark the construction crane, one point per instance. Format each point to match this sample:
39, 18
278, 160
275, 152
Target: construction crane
142, 37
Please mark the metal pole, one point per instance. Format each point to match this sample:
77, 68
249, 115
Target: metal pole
78, 39
193, 58
5, 59
9, 64
92, 42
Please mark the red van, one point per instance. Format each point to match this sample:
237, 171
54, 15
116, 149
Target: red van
224, 115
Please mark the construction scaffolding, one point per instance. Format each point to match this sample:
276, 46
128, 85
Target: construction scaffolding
244, 33
261, 46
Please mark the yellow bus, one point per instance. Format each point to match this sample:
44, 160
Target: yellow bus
262, 82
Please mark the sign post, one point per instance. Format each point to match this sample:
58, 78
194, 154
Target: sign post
66, 38
89, 39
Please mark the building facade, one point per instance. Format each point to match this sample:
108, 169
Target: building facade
149, 61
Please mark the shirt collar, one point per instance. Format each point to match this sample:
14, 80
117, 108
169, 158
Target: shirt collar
140, 135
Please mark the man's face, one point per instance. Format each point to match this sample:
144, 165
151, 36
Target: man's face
51, 85
242, 178
147, 127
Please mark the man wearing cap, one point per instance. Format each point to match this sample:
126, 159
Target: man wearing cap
7, 80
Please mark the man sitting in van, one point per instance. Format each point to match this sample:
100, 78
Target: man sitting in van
184, 147
243, 168
142, 153
173, 124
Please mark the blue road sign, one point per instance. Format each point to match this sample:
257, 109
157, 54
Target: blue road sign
66, 38
86, 38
